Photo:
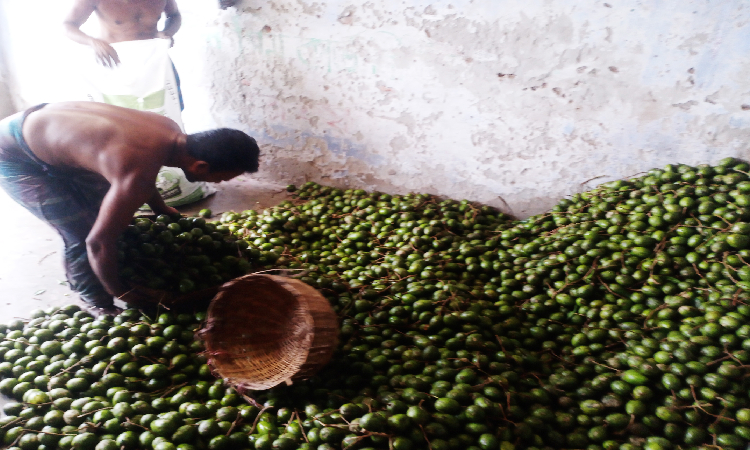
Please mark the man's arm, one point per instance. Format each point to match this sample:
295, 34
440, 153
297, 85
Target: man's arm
173, 22
125, 195
78, 15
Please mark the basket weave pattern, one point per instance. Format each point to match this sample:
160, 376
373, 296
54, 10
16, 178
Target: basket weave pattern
263, 330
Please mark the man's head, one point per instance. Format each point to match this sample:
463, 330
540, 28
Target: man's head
220, 155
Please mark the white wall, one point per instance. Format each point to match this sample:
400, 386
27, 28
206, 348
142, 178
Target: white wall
6, 102
497, 101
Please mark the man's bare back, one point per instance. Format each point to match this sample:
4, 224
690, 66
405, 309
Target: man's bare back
121, 20
100, 138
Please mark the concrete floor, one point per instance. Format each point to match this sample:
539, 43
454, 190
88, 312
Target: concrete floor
31, 270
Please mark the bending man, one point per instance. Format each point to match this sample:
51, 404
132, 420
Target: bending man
86, 167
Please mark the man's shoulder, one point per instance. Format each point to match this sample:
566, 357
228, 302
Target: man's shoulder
110, 124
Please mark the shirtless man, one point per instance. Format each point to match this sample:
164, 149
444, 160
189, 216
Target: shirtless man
121, 20
86, 167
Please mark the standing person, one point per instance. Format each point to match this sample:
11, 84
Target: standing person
122, 21
86, 167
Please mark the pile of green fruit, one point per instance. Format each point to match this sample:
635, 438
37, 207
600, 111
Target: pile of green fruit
126, 382
181, 254
619, 320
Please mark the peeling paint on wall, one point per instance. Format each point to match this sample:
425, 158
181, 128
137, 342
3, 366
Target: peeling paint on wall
515, 104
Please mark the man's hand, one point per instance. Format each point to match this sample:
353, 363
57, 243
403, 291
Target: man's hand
162, 35
158, 206
168, 210
105, 54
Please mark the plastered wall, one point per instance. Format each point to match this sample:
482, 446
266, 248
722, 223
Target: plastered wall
512, 103
6, 103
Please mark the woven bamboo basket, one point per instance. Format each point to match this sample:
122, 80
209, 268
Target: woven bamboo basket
264, 330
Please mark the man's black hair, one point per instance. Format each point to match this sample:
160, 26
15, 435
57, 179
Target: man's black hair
224, 149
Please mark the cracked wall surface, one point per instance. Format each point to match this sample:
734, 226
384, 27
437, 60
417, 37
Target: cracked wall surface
514, 103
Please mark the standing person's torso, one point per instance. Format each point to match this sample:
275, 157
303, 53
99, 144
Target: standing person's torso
129, 20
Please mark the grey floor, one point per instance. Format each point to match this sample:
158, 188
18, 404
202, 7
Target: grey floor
31, 271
